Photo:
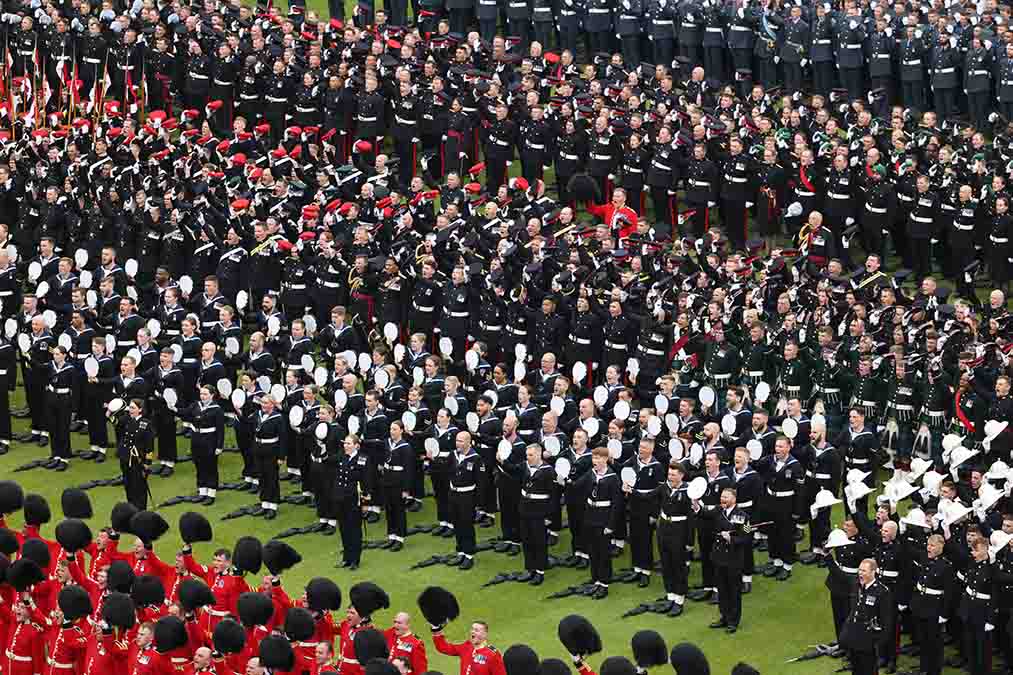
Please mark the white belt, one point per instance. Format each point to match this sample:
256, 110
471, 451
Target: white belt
216, 612
14, 657
699, 183
401, 120
208, 324
4, 294
491, 327
978, 596
297, 287
603, 504
745, 29
536, 146
822, 42
859, 461
831, 391
223, 84
580, 341
190, 360
965, 228
745, 505
929, 591
788, 493
424, 309
916, 62
662, 22
818, 476
267, 441
936, 413
330, 284
920, 220
943, 71
849, 570
61, 666
601, 158
905, 198
615, 345
533, 495
979, 72
890, 573
179, 659
345, 659
713, 29
853, 46
460, 315
734, 179
599, 10
755, 373
59, 390
673, 519
654, 352
999, 240
500, 142
572, 158
902, 406
468, 488
277, 99
198, 76
874, 209
367, 119
93, 61
688, 25
3, 372
835, 195
663, 167
392, 467
206, 430
802, 193
305, 109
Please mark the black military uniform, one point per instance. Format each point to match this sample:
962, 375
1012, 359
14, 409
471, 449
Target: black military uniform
467, 476
862, 631
731, 538
349, 475
133, 443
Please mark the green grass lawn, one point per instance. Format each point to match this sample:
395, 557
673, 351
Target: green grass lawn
779, 619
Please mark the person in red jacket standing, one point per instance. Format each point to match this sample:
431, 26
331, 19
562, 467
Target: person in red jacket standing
226, 582
144, 561
619, 217
24, 655
364, 599
477, 656
201, 664
67, 645
405, 645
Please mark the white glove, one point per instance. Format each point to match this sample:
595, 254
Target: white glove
749, 205
988, 45
853, 24
742, 13
626, 4
689, 17
949, 29
777, 59
943, 619
889, 31
803, 63
918, 34
953, 42
989, 627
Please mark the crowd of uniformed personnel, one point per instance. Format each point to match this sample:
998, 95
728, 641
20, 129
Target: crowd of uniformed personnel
79, 605
314, 233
